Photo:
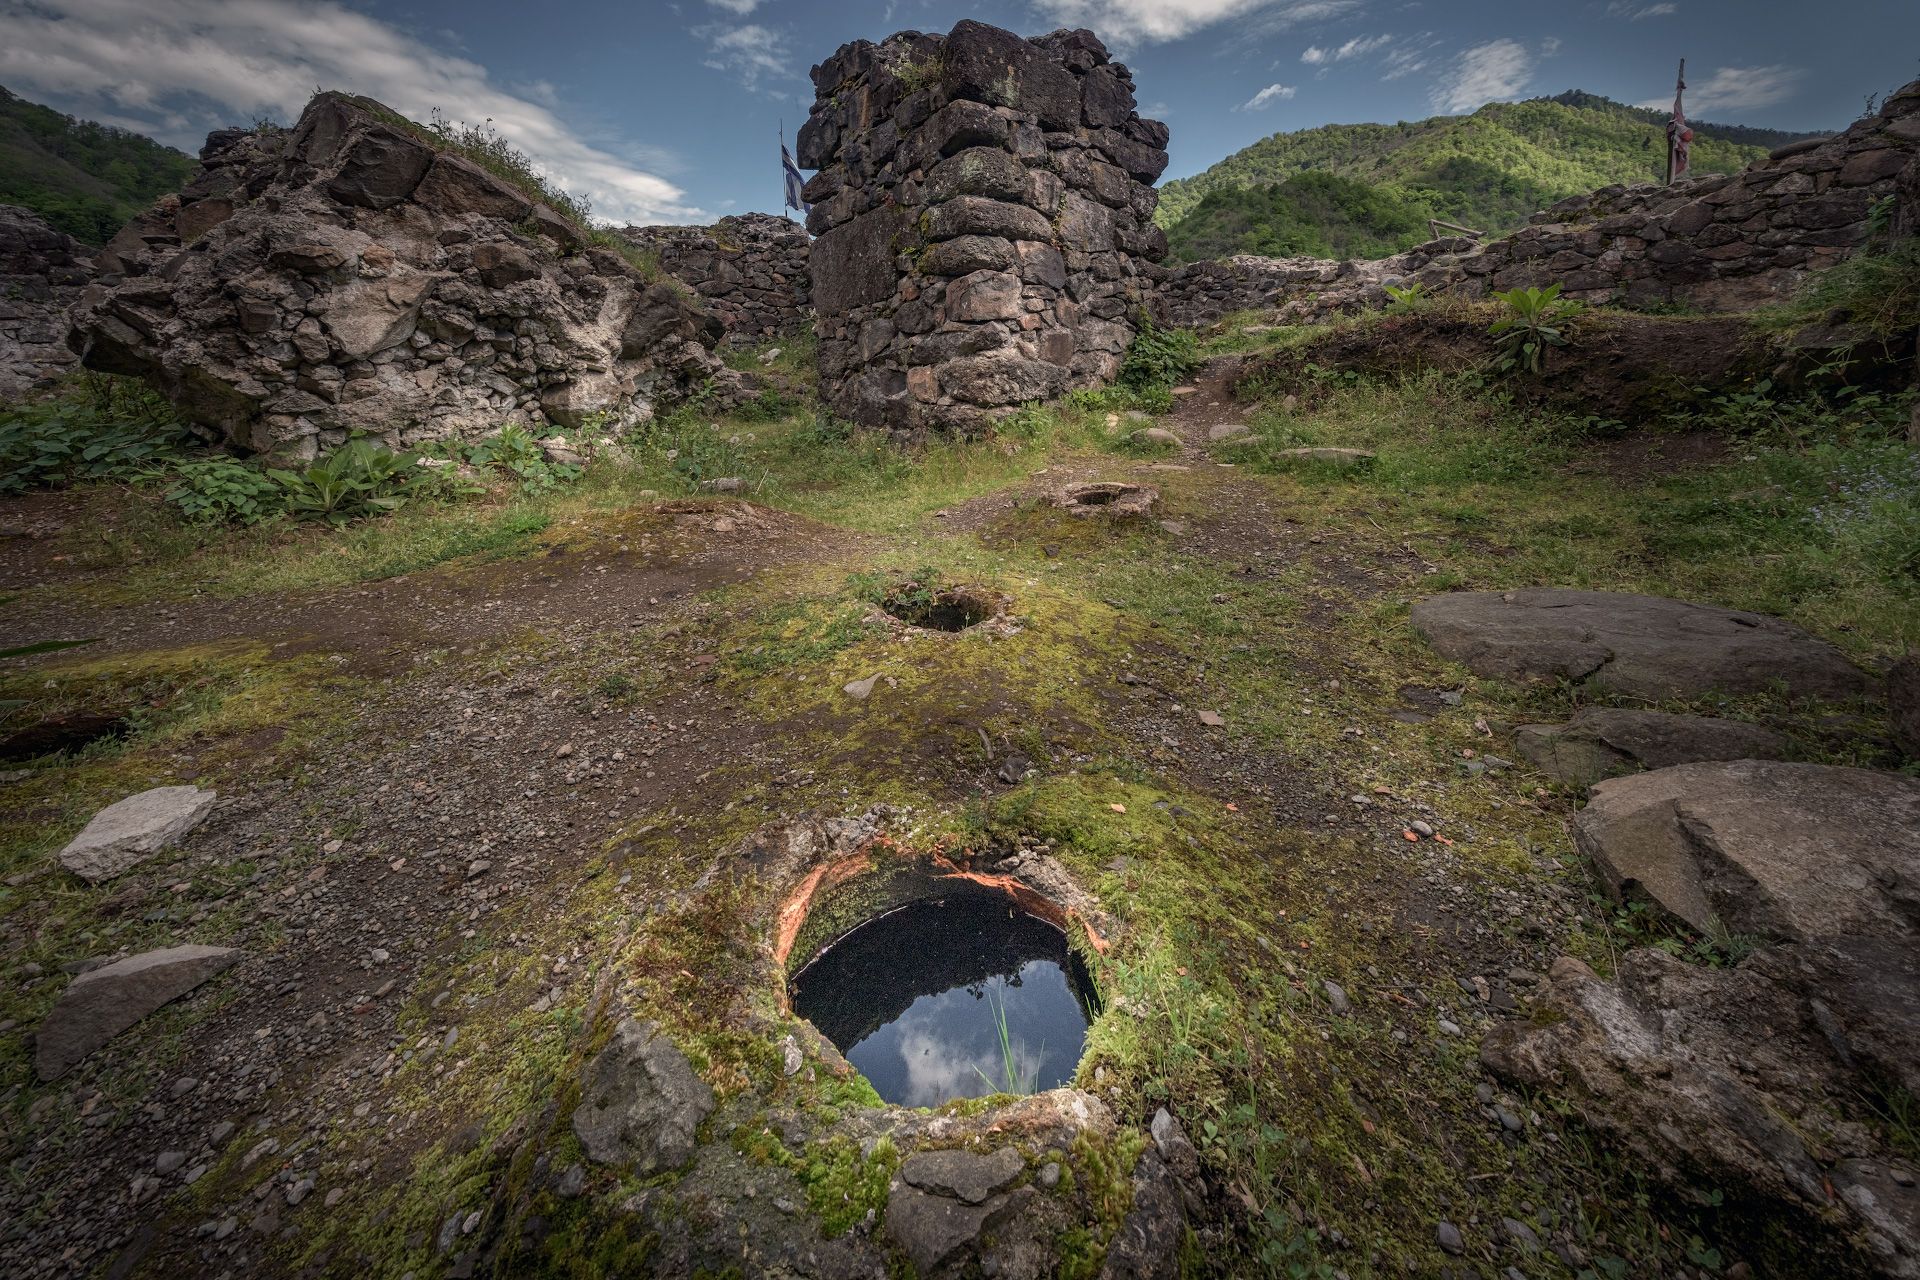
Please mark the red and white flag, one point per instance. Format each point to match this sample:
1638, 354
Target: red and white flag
1679, 137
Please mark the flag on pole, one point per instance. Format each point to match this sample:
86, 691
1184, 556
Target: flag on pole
1679, 137
794, 183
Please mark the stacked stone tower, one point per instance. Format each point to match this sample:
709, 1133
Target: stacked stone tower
984, 210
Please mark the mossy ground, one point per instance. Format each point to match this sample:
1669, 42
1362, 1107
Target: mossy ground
1242, 871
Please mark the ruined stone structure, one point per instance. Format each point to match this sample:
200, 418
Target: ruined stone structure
984, 217
750, 269
347, 275
1722, 243
41, 274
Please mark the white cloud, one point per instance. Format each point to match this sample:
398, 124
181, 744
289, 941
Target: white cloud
1550, 46
1358, 47
1633, 11
1130, 22
181, 67
1266, 97
752, 52
1409, 57
1491, 72
1736, 89
739, 8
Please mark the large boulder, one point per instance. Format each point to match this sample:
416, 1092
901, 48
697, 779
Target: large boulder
128, 832
1742, 1079
1641, 646
103, 1002
640, 1102
1601, 742
351, 275
1764, 848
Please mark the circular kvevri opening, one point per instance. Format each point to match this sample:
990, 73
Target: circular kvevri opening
957, 996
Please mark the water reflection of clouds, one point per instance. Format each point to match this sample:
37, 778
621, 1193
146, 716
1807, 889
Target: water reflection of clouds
946, 1045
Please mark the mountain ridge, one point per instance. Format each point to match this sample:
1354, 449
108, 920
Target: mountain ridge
84, 178
1489, 169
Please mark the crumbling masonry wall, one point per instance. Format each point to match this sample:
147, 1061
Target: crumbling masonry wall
41, 274
348, 275
984, 213
750, 269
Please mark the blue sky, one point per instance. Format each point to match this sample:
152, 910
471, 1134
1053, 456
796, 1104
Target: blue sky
669, 111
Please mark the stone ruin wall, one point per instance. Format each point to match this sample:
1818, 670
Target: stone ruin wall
1722, 243
345, 276
984, 214
42, 272
750, 269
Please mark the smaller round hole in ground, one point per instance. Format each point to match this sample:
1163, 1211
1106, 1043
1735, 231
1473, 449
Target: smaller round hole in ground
958, 996
939, 608
1114, 499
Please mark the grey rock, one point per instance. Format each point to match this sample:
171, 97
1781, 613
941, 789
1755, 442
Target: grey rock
1601, 742
1776, 850
1644, 646
640, 1102
1228, 431
1147, 1246
859, 690
103, 1002
129, 831
1171, 1141
1447, 1236
1337, 997
933, 1229
571, 1182
963, 1175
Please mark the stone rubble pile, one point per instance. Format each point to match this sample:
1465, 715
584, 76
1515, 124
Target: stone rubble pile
1720, 243
750, 269
42, 272
984, 213
348, 275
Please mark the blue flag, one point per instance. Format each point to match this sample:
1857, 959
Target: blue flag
794, 183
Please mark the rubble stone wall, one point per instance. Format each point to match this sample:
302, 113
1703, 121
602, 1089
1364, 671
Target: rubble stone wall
41, 274
750, 269
346, 275
1722, 243
984, 214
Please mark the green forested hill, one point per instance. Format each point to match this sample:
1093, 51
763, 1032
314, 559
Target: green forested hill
1488, 170
86, 179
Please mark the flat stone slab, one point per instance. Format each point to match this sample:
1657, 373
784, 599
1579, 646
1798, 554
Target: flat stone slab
130, 831
640, 1102
1645, 646
103, 1002
1226, 431
1604, 742
963, 1175
1780, 851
